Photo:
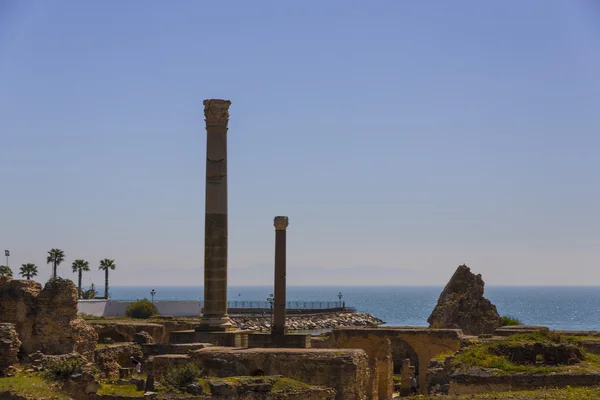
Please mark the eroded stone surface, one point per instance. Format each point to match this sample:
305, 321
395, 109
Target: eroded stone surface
45, 319
345, 371
462, 305
9, 346
110, 358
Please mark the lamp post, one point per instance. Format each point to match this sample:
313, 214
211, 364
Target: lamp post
7, 253
340, 297
152, 293
271, 300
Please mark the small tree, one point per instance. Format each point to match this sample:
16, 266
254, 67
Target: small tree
89, 294
141, 309
28, 271
6, 271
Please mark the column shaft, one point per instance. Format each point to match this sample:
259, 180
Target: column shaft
215, 226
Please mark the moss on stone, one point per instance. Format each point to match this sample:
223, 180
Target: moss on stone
285, 385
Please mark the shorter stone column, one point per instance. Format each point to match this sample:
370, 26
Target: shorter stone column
281, 224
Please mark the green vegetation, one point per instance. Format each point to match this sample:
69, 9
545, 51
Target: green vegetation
28, 271
61, 369
486, 355
141, 309
6, 271
89, 294
507, 320
31, 386
107, 389
106, 265
79, 266
183, 375
285, 385
55, 257
569, 393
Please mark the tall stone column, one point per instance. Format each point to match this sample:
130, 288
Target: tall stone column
214, 317
281, 224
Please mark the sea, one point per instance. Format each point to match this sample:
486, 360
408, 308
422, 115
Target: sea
557, 307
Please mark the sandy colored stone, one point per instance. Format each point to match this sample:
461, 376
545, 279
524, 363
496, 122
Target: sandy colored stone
46, 319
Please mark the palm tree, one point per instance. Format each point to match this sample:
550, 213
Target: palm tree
28, 271
80, 266
6, 271
105, 265
55, 256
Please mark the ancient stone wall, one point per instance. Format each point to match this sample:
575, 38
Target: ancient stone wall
344, 371
18, 306
481, 381
125, 331
9, 346
112, 357
46, 319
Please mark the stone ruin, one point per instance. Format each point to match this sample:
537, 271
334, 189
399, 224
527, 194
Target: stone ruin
45, 319
462, 305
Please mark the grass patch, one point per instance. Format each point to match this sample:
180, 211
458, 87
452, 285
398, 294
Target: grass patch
569, 393
286, 385
482, 355
31, 385
119, 390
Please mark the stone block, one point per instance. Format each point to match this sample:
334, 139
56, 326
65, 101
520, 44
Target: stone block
267, 340
345, 371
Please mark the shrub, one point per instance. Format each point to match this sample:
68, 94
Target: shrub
141, 309
183, 375
61, 369
507, 320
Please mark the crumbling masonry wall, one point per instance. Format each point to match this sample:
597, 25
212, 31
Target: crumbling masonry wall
345, 371
46, 319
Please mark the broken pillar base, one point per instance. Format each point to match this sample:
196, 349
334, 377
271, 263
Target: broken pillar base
215, 324
270, 340
235, 338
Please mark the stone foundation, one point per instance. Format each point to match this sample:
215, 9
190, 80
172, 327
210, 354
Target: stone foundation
345, 371
111, 358
161, 349
229, 339
125, 331
482, 381
290, 341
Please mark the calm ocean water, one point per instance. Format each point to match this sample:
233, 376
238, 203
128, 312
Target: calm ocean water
558, 307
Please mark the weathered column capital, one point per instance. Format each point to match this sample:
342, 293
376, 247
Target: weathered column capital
281, 223
216, 112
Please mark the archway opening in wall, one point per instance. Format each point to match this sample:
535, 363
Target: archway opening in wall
401, 351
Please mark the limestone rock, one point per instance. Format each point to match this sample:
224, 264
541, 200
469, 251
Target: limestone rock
46, 319
18, 306
143, 337
462, 305
9, 346
85, 338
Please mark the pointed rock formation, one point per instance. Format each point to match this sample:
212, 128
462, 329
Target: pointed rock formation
462, 305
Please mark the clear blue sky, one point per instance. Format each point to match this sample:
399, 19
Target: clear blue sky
396, 134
